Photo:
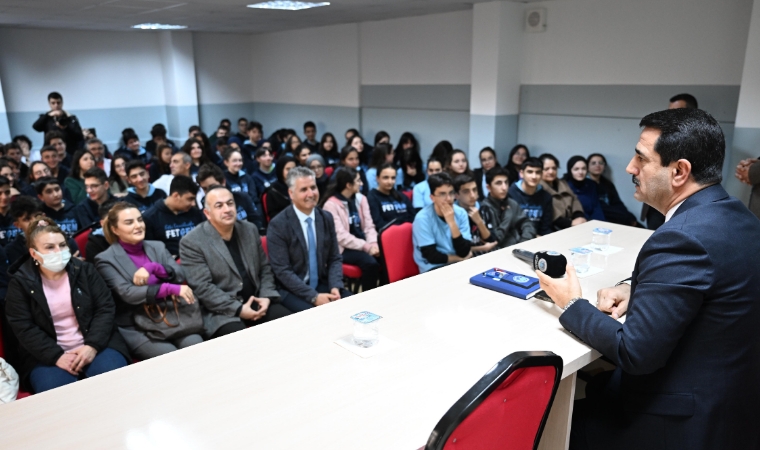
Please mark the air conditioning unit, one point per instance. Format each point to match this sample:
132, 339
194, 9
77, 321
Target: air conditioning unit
535, 20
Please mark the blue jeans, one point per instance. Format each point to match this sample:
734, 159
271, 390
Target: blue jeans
43, 378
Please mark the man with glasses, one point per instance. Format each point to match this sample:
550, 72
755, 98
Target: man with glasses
98, 192
441, 230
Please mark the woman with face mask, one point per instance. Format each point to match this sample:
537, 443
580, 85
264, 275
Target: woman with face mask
62, 313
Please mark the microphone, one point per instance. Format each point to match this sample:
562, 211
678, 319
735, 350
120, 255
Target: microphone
547, 261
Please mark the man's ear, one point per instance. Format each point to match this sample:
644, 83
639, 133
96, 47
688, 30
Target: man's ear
681, 171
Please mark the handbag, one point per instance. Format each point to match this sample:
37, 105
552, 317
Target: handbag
8, 382
169, 319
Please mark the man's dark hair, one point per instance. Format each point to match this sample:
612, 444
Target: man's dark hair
253, 124
242, 119
496, 171
221, 142
106, 207
23, 138
96, 172
24, 206
12, 146
193, 128
262, 151
48, 148
693, 135
158, 130
210, 170
438, 180
309, 124
4, 181
532, 162
134, 164
689, 99
223, 127
182, 185
55, 134
129, 137
55, 95
42, 183
461, 180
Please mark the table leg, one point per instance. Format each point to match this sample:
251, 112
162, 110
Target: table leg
557, 430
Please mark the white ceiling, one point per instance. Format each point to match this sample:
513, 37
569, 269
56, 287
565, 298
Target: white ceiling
210, 15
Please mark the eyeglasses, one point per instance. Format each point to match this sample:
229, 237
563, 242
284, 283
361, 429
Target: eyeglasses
91, 187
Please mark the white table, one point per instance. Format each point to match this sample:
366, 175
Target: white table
286, 385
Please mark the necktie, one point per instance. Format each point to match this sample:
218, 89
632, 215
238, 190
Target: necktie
313, 267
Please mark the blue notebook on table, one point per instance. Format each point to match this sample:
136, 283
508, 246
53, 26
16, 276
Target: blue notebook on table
506, 282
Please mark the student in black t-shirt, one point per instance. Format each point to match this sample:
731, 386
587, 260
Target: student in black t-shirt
54, 206
8, 231
483, 241
386, 204
173, 217
210, 175
142, 194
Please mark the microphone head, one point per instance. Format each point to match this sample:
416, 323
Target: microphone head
550, 262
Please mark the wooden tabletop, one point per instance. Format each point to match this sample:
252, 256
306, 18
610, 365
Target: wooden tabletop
287, 385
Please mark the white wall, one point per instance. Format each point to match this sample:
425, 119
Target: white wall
638, 42
223, 68
91, 69
434, 49
748, 112
316, 66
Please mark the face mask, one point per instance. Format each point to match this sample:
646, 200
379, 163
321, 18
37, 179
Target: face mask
56, 261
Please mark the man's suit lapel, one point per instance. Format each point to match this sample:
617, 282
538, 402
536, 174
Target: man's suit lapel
249, 257
124, 261
220, 248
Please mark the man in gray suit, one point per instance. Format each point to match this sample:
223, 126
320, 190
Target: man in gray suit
227, 268
303, 248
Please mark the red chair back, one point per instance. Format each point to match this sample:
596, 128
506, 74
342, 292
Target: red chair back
264, 205
408, 194
506, 409
397, 247
81, 240
264, 245
329, 171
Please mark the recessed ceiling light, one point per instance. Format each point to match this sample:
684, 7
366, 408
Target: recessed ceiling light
158, 26
288, 5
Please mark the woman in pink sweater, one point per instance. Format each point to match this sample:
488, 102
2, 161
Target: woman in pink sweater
357, 237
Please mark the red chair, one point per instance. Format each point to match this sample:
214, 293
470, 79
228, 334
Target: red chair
506, 409
329, 171
397, 249
409, 194
81, 240
264, 205
264, 245
353, 275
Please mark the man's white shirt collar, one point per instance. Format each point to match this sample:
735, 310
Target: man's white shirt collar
673, 210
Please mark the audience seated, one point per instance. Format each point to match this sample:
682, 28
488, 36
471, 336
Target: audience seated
407, 158
505, 219
583, 188
81, 163
228, 270
237, 178
13, 152
441, 230
142, 194
421, 192
198, 153
157, 139
382, 154
363, 149
56, 140
317, 165
170, 219
133, 151
143, 275
487, 162
328, 148
179, 164
23, 210
210, 175
242, 129
303, 248
517, 157
97, 187
482, 239
160, 166
302, 154
310, 133
441, 151
96, 241
568, 210
118, 179
61, 121
8, 231
532, 198
277, 195
457, 164
386, 204
50, 157
349, 157
98, 150
54, 206
612, 206
357, 237
263, 172
60, 344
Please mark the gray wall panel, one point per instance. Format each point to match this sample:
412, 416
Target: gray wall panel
623, 101
454, 97
335, 119
210, 115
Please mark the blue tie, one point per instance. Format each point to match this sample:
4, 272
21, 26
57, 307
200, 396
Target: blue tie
313, 267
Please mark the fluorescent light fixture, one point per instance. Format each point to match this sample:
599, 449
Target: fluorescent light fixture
288, 5
158, 26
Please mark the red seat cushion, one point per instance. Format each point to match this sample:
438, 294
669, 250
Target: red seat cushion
352, 271
509, 418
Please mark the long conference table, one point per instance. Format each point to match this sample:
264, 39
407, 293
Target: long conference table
287, 385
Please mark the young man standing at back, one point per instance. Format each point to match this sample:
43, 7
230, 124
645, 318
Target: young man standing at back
536, 202
504, 218
441, 230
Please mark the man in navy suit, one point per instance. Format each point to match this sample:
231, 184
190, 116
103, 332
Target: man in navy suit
688, 355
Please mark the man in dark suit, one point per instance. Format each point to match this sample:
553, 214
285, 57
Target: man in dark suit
688, 355
303, 248
227, 269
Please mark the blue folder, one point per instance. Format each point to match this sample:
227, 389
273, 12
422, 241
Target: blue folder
506, 282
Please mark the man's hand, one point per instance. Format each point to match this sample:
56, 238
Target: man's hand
742, 170
474, 214
82, 357
65, 362
336, 294
577, 221
374, 250
561, 290
187, 294
263, 307
247, 312
487, 247
78, 256
55, 113
323, 299
447, 211
141, 277
614, 300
